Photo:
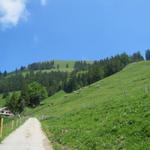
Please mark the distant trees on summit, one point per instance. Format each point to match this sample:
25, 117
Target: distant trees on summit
81, 66
85, 74
136, 57
41, 65
147, 54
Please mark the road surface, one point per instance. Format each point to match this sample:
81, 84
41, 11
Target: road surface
27, 137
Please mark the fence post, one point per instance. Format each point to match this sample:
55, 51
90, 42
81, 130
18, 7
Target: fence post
1, 126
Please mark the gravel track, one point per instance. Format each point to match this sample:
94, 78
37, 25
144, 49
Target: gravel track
29, 136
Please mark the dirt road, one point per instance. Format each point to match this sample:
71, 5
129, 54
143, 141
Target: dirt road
28, 137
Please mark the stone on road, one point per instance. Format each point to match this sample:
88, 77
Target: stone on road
29, 136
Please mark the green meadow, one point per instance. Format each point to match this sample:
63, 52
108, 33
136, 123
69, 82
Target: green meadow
112, 114
64, 66
2, 101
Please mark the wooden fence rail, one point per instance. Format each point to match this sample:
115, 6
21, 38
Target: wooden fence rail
7, 126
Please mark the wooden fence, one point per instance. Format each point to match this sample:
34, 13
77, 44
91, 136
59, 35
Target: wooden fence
7, 125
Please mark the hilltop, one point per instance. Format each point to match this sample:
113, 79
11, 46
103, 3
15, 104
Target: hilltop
59, 65
113, 113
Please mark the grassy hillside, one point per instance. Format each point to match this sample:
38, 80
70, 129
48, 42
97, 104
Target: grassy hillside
62, 67
2, 101
112, 114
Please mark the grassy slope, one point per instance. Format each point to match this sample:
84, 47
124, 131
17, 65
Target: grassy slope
62, 67
113, 113
2, 101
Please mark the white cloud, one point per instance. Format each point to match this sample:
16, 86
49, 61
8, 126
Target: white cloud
12, 11
43, 2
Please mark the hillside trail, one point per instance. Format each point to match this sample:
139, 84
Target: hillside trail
29, 136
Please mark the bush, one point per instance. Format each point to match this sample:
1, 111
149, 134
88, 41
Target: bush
36, 93
12, 102
5, 95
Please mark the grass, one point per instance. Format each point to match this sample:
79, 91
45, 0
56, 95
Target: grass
2, 101
112, 114
62, 67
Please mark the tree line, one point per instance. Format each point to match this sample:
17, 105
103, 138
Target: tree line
33, 85
84, 73
100, 69
53, 81
41, 65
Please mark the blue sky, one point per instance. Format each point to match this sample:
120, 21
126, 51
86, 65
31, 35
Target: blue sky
42, 30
